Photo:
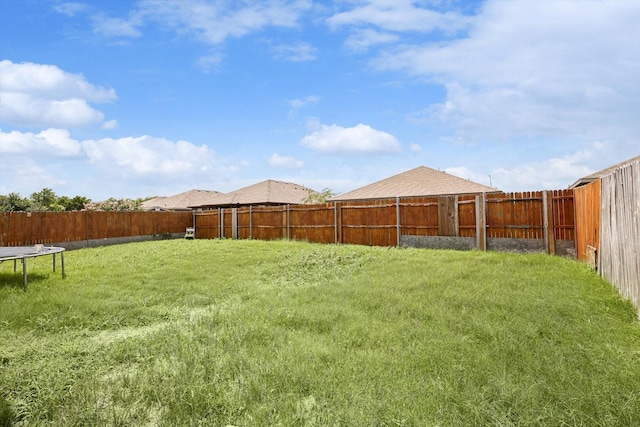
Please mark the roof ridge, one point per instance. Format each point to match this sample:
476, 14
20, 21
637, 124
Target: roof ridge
419, 181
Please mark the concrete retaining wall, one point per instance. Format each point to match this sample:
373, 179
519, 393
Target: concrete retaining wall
563, 247
94, 243
438, 242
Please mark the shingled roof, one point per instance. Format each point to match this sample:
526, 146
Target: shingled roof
180, 201
269, 192
421, 181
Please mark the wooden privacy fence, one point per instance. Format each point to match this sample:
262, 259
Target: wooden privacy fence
29, 228
619, 252
587, 207
530, 221
608, 228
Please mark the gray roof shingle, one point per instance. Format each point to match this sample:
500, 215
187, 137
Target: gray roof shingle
269, 192
180, 201
421, 181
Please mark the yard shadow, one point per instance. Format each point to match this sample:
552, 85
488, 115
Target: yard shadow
15, 280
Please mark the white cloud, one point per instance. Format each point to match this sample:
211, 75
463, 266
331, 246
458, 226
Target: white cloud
149, 156
111, 124
117, 27
547, 174
399, 15
361, 40
302, 102
50, 142
27, 110
27, 177
466, 173
44, 95
564, 67
416, 148
101, 168
214, 22
288, 162
70, 9
207, 62
551, 173
49, 81
298, 52
360, 139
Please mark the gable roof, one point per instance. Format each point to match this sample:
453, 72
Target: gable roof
180, 201
269, 192
421, 181
602, 173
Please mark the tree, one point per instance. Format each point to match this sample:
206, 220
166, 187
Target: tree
113, 204
76, 204
44, 200
314, 197
13, 203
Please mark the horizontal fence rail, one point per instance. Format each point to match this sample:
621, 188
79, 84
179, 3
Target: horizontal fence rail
531, 221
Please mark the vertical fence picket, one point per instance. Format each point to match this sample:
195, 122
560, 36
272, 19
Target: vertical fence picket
619, 259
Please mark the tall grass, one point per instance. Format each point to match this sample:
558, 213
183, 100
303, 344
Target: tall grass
252, 333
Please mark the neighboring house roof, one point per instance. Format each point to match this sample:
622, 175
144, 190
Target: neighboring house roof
181, 201
602, 173
421, 181
269, 192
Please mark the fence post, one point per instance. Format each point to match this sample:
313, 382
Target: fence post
339, 222
398, 221
250, 224
481, 222
193, 222
220, 223
234, 223
288, 224
335, 221
456, 217
547, 209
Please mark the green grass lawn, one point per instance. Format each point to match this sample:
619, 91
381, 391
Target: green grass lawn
251, 333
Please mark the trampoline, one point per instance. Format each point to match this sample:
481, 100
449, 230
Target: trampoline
23, 252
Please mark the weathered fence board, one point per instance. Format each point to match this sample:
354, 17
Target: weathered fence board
208, 223
587, 220
619, 254
448, 216
419, 216
467, 216
515, 215
564, 215
314, 223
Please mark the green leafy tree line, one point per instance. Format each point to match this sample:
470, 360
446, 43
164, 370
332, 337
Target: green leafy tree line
47, 200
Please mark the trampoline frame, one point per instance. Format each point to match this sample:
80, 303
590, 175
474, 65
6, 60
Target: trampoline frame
15, 253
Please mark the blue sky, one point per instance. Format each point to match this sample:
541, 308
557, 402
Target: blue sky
140, 98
